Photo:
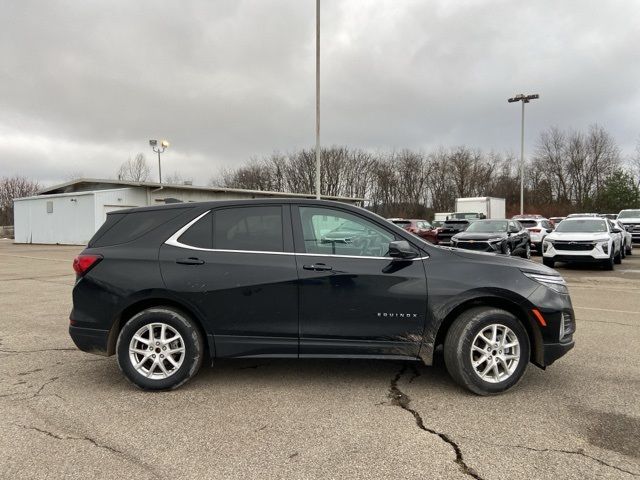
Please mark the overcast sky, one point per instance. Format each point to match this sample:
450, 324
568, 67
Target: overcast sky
84, 84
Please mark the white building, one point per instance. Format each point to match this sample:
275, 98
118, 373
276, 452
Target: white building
70, 213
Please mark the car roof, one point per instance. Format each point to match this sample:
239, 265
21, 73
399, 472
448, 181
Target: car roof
244, 202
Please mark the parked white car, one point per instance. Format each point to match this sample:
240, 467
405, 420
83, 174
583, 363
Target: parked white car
538, 228
584, 239
627, 238
631, 220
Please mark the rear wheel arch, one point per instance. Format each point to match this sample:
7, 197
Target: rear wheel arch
138, 306
517, 310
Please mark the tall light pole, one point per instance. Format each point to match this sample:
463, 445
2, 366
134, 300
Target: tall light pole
159, 149
318, 99
524, 99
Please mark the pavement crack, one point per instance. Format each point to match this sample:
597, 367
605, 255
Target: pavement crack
578, 451
402, 400
39, 350
95, 443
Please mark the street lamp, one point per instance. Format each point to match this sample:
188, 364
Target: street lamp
524, 99
159, 149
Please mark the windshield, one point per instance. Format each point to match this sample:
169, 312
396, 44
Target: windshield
529, 223
488, 227
349, 226
588, 225
629, 214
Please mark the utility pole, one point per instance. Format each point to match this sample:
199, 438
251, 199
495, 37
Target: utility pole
524, 99
318, 99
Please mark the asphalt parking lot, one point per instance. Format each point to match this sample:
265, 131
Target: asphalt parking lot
69, 414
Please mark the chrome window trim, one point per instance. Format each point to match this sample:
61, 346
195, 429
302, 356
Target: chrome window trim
173, 241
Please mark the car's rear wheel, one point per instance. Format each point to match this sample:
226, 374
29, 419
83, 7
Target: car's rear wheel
159, 348
486, 350
548, 262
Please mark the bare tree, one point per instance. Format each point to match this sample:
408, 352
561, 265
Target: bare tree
176, 178
135, 170
10, 189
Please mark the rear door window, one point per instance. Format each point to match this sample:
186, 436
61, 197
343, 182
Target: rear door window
249, 229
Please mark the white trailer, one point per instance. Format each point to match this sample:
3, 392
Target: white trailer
491, 207
441, 216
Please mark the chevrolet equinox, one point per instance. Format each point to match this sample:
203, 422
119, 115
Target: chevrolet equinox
165, 287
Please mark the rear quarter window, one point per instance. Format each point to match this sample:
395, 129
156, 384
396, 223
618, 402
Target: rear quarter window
131, 226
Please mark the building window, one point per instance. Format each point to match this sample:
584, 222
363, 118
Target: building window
50, 206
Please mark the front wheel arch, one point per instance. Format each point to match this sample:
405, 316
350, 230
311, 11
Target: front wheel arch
536, 342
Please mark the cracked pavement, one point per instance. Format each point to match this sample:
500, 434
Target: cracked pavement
70, 414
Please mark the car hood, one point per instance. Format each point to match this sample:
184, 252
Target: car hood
630, 220
503, 260
576, 237
478, 235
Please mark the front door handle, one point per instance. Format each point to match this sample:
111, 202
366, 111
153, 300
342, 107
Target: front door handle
190, 261
318, 267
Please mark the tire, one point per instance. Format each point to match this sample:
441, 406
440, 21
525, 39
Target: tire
617, 258
185, 339
629, 249
623, 252
465, 333
548, 262
609, 263
506, 249
526, 253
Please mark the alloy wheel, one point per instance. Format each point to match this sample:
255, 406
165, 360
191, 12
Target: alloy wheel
495, 353
156, 350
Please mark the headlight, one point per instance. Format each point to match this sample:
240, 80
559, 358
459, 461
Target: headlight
554, 282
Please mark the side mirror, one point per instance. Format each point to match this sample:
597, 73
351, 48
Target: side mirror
616, 230
549, 230
401, 249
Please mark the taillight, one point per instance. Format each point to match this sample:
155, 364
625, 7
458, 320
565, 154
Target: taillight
84, 262
535, 230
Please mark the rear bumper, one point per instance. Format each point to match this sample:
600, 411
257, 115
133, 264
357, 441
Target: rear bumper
90, 340
553, 351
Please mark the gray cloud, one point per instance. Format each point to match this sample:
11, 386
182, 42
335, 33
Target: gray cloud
83, 85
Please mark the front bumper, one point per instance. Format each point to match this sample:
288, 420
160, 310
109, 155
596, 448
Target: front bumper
596, 254
555, 337
478, 245
553, 351
90, 340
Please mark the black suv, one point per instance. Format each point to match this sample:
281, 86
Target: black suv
165, 287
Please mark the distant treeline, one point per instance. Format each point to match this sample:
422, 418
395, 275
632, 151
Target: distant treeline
568, 171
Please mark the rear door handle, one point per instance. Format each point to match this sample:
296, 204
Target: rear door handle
318, 267
190, 261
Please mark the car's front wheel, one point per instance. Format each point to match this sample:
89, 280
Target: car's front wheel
486, 350
526, 251
618, 257
159, 348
